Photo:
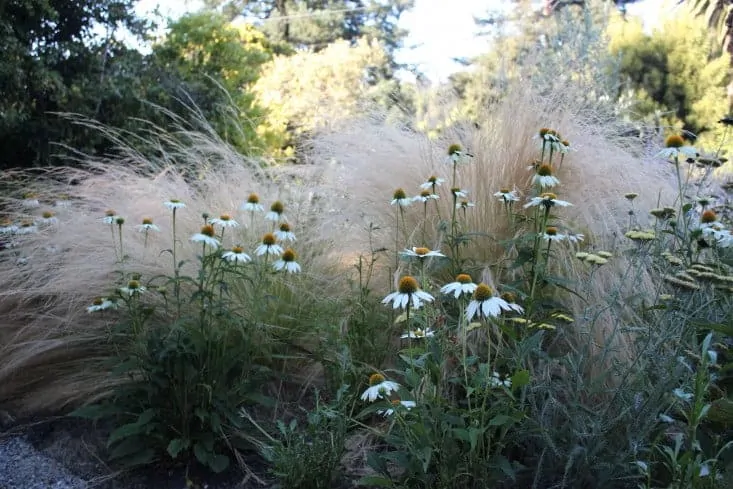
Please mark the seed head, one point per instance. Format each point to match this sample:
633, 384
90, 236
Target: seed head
709, 216
631, 196
399, 194
285, 227
422, 251
237, 249
545, 131
565, 142
288, 255
407, 285
208, 230
504, 190
225, 217
425, 193
545, 170
453, 149
110, 213
253, 199
133, 285
98, 301
463, 278
268, 239
120, 221
147, 221
551, 230
277, 207
483, 292
47, 214
375, 379
509, 297
433, 179
548, 196
674, 141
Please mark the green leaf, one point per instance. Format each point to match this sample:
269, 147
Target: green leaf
219, 463
202, 454
520, 379
375, 480
474, 434
175, 447
146, 417
93, 412
500, 420
123, 432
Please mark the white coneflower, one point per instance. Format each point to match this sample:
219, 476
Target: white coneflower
276, 212
47, 218
485, 304
173, 204
546, 200
30, 201
62, 201
431, 183
462, 285
456, 155
379, 388
269, 246
421, 253
399, 197
253, 204
507, 195
225, 221
284, 234
419, 333
206, 236
544, 177
110, 217
26, 227
458, 193
575, 237
408, 295
464, 204
147, 225
495, 381
7, 227
551, 234
396, 403
425, 196
236, 255
133, 288
287, 262
101, 303
675, 147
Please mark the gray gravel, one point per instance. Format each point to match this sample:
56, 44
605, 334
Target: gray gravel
24, 467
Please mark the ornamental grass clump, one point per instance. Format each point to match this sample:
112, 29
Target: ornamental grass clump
145, 303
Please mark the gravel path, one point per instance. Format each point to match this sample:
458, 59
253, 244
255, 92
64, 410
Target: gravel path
24, 467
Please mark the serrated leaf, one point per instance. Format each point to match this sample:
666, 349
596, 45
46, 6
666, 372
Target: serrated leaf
520, 379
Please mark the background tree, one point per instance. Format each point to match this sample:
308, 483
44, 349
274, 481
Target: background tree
205, 60
316, 23
56, 60
675, 77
